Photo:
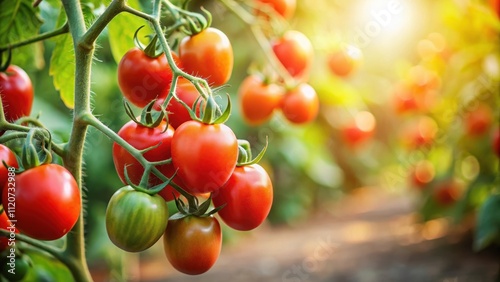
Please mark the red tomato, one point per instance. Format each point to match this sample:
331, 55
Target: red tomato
422, 174
16, 92
209, 55
7, 156
192, 244
45, 201
142, 78
344, 62
295, 52
360, 129
447, 193
5, 223
248, 196
495, 5
300, 105
496, 142
286, 8
420, 133
404, 100
177, 113
142, 137
479, 120
204, 154
258, 100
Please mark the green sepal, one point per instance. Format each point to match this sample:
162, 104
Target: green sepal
245, 160
227, 112
3, 67
149, 117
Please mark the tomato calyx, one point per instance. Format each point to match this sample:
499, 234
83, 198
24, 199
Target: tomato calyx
245, 153
149, 117
193, 207
153, 49
210, 112
145, 178
188, 22
30, 156
4, 66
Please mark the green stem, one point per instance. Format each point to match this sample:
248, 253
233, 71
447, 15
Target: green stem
63, 29
114, 8
56, 252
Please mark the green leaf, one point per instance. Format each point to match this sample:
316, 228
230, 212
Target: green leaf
488, 223
122, 29
20, 21
62, 69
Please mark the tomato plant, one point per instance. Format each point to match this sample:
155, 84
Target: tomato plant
204, 155
301, 104
259, 99
135, 220
193, 244
248, 196
143, 78
21, 269
16, 92
159, 140
207, 54
295, 52
285, 8
47, 201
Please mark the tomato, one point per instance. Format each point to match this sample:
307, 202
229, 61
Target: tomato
496, 142
16, 92
343, 62
421, 132
193, 244
142, 78
209, 55
135, 220
422, 174
495, 6
45, 267
177, 113
142, 137
286, 8
15, 269
248, 196
295, 52
5, 223
258, 100
360, 129
7, 156
447, 193
45, 201
205, 155
300, 105
479, 120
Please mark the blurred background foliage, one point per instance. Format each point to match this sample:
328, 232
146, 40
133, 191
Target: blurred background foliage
426, 66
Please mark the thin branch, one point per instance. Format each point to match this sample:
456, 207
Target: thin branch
56, 252
116, 7
62, 30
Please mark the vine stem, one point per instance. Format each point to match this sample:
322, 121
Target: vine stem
62, 30
56, 252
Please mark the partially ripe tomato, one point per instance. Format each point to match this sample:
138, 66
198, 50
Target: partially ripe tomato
496, 142
344, 62
479, 120
286, 8
16, 92
142, 137
295, 52
447, 193
7, 156
47, 201
204, 155
142, 78
300, 105
248, 196
209, 55
422, 174
193, 244
360, 129
177, 113
258, 100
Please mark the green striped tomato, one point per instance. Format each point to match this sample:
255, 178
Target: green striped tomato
135, 220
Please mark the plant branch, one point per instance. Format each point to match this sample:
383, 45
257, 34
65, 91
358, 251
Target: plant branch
62, 30
116, 7
56, 252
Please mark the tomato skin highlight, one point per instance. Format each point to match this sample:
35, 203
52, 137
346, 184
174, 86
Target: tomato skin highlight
16, 92
295, 52
301, 105
135, 221
209, 55
142, 137
142, 78
47, 201
248, 196
193, 244
204, 155
258, 100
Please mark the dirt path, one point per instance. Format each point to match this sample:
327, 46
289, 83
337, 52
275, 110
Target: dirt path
368, 237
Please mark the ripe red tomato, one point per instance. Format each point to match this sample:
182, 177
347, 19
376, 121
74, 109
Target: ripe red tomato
192, 244
360, 129
422, 174
16, 92
177, 113
447, 193
344, 62
142, 137
495, 5
204, 155
479, 120
45, 201
5, 223
286, 8
248, 195
496, 142
295, 52
258, 100
420, 133
300, 105
7, 156
209, 55
142, 78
